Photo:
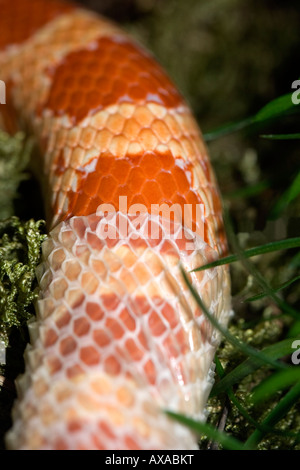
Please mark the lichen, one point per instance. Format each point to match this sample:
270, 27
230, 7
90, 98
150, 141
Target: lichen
20, 245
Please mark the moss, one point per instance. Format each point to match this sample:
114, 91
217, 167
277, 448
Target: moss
20, 245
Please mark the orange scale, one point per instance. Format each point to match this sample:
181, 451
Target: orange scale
170, 315
89, 355
67, 345
128, 74
74, 371
153, 242
169, 249
181, 179
74, 426
79, 97
79, 227
110, 301
142, 338
107, 100
150, 164
158, 301
142, 303
152, 192
137, 243
193, 198
100, 82
136, 178
171, 347
81, 326
81, 205
69, 83
54, 364
75, 297
179, 199
122, 190
94, 205
50, 338
184, 244
182, 341
115, 328
131, 443
128, 320
166, 181
63, 319
59, 165
112, 366
111, 242
93, 222
148, 83
168, 160
133, 350
150, 371
112, 69
136, 93
106, 429
94, 241
121, 169
94, 311
90, 97
119, 87
64, 98
135, 203
101, 338
156, 324
107, 187
87, 82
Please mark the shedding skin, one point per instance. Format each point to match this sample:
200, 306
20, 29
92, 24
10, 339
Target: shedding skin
130, 197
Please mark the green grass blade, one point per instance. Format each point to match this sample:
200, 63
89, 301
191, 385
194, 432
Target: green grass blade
276, 289
277, 107
278, 412
227, 442
281, 136
274, 109
258, 250
227, 129
275, 351
277, 381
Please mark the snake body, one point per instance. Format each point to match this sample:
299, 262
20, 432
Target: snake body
118, 336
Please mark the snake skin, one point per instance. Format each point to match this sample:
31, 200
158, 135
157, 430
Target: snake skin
123, 169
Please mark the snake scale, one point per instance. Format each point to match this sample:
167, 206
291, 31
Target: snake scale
130, 198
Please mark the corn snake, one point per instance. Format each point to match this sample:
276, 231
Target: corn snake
118, 336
